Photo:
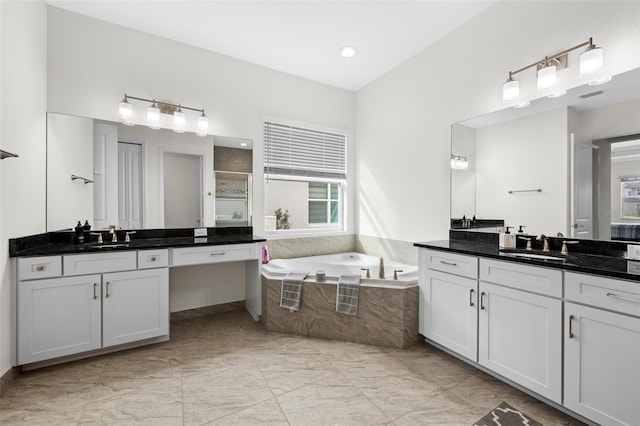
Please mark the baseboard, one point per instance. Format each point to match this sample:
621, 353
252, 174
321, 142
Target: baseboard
208, 310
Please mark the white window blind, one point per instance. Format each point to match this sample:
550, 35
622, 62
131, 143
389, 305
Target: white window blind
296, 151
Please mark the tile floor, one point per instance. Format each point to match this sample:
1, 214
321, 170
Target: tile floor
224, 369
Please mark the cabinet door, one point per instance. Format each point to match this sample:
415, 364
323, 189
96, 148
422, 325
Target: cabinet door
450, 315
602, 365
57, 317
520, 338
135, 305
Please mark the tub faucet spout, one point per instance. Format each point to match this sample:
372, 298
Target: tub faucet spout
381, 269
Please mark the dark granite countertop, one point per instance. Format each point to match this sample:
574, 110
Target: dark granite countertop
596, 264
61, 242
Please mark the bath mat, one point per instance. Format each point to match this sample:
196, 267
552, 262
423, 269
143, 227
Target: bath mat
291, 291
347, 294
506, 415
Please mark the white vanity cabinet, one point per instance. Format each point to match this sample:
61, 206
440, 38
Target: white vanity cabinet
58, 317
602, 349
135, 306
448, 301
100, 300
520, 325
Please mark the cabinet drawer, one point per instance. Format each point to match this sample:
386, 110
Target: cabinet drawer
153, 259
80, 264
466, 266
213, 254
530, 278
30, 268
608, 293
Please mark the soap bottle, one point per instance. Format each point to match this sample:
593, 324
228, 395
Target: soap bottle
86, 226
507, 239
79, 237
265, 254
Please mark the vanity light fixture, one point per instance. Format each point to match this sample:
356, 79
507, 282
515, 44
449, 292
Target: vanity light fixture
154, 111
591, 63
459, 162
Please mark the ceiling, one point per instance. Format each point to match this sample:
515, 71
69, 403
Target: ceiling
301, 37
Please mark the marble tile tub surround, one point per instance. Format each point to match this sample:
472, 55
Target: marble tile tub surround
387, 316
225, 369
287, 248
60, 242
400, 251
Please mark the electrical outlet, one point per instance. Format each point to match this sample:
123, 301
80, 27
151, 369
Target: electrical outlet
200, 232
633, 251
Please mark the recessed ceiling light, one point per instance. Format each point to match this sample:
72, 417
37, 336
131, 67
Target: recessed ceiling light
348, 51
243, 144
521, 104
557, 94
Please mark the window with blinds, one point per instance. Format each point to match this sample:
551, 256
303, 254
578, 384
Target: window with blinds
305, 179
296, 151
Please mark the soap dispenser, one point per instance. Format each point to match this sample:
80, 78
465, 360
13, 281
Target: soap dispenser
507, 239
79, 237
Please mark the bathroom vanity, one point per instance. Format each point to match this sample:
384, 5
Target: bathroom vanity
77, 300
565, 330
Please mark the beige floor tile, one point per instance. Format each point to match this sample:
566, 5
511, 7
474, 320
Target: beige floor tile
331, 401
264, 413
226, 369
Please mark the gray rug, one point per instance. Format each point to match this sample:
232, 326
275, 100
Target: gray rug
506, 415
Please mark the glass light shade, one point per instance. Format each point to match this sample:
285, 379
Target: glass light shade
453, 162
125, 112
465, 164
547, 77
153, 117
203, 125
591, 61
510, 90
179, 121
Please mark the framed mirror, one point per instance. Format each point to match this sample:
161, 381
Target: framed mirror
567, 164
134, 177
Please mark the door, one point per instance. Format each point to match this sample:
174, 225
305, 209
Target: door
58, 317
520, 338
602, 365
450, 315
105, 167
135, 305
130, 182
182, 190
582, 187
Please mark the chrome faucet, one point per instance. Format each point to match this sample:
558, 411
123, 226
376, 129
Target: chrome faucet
545, 242
381, 269
565, 249
99, 234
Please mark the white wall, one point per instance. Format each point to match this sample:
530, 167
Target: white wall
69, 152
93, 63
404, 117
23, 31
524, 154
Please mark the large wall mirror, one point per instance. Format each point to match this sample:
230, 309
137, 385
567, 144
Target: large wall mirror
134, 177
569, 164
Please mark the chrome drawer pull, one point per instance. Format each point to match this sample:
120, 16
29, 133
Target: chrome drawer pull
482, 300
107, 289
95, 295
629, 299
152, 259
40, 268
571, 317
218, 254
448, 263
470, 297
